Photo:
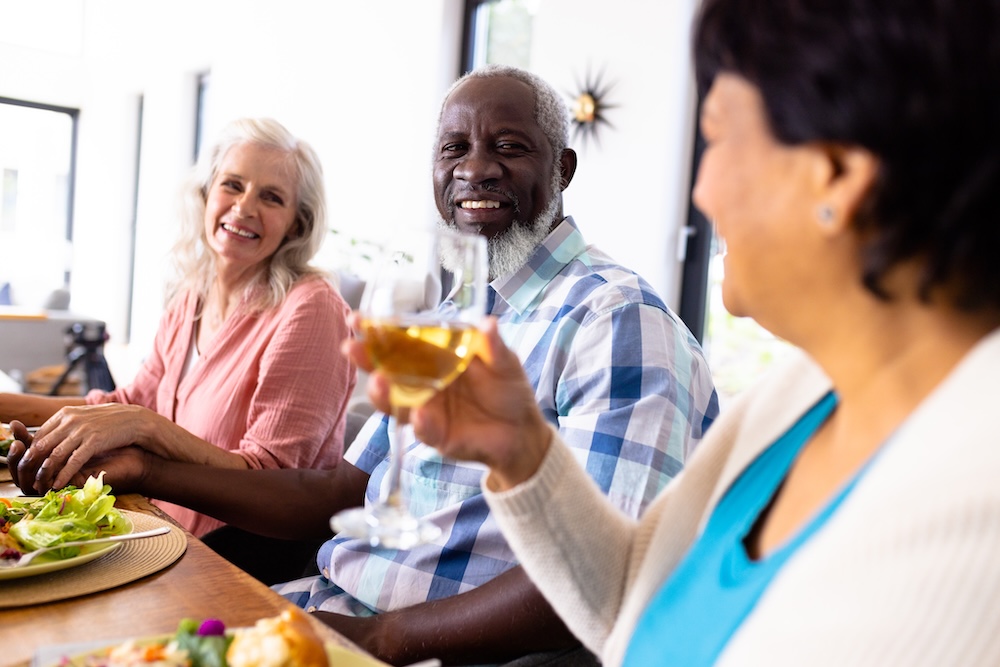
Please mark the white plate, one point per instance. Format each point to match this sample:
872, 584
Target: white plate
86, 555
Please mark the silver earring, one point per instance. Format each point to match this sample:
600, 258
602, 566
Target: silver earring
825, 214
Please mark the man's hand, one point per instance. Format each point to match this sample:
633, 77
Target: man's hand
125, 469
360, 630
488, 414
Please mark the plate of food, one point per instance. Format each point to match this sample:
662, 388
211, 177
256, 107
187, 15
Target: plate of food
287, 640
67, 515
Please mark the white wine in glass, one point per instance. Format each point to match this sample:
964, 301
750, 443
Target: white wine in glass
419, 313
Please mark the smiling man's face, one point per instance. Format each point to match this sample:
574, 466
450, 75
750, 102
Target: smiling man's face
494, 171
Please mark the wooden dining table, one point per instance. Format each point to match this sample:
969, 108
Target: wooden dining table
200, 584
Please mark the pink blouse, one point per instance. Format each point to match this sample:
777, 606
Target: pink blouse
272, 387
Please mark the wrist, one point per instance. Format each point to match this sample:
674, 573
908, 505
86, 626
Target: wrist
144, 428
372, 634
153, 475
525, 460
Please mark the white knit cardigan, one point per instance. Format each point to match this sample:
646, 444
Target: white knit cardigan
905, 572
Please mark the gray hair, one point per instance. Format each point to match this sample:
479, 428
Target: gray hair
194, 261
551, 111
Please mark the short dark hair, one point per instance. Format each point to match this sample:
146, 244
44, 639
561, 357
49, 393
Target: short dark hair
916, 83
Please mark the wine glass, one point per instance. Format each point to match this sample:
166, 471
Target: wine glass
419, 313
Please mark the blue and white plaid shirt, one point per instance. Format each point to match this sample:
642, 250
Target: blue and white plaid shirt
617, 372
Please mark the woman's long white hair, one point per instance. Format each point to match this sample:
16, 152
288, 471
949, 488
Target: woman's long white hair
193, 259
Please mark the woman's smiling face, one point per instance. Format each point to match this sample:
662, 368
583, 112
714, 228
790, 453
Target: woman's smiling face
762, 196
250, 206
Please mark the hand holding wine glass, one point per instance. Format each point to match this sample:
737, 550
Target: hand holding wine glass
489, 413
418, 317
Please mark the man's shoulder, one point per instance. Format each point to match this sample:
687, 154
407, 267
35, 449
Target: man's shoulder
596, 280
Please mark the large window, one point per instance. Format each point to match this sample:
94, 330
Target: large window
37, 155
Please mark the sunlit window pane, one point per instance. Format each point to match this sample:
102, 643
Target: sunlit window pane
36, 154
739, 350
502, 32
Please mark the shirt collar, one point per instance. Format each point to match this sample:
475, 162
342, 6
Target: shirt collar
563, 244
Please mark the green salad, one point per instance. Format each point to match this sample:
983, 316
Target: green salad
66, 515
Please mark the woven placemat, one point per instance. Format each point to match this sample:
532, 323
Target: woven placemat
130, 561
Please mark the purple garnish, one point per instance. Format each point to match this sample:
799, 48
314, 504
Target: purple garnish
211, 627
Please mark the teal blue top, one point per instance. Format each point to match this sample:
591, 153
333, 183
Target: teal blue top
715, 587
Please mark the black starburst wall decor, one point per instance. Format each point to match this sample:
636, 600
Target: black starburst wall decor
589, 106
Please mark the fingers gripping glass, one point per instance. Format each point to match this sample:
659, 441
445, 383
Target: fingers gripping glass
418, 317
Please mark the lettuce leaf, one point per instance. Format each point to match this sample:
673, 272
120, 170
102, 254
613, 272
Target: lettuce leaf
203, 650
66, 515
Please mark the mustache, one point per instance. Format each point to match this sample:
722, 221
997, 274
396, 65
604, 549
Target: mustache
470, 193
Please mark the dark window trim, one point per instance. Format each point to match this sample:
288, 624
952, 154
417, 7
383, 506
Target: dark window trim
74, 115
468, 54
204, 79
697, 255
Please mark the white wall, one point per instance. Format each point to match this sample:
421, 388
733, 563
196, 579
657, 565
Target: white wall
362, 82
630, 191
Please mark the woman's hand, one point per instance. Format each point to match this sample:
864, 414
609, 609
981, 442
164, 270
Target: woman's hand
488, 414
64, 444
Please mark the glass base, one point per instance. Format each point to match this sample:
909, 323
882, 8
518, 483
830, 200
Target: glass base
384, 526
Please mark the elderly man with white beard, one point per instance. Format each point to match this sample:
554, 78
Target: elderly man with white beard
606, 357
614, 370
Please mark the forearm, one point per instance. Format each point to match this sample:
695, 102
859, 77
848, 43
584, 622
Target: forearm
577, 545
501, 620
283, 503
162, 437
33, 409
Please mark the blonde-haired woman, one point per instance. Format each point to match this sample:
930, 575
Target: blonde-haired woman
245, 370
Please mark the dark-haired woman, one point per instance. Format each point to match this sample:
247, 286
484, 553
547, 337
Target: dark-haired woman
847, 510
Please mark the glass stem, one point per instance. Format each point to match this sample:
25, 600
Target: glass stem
397, 448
